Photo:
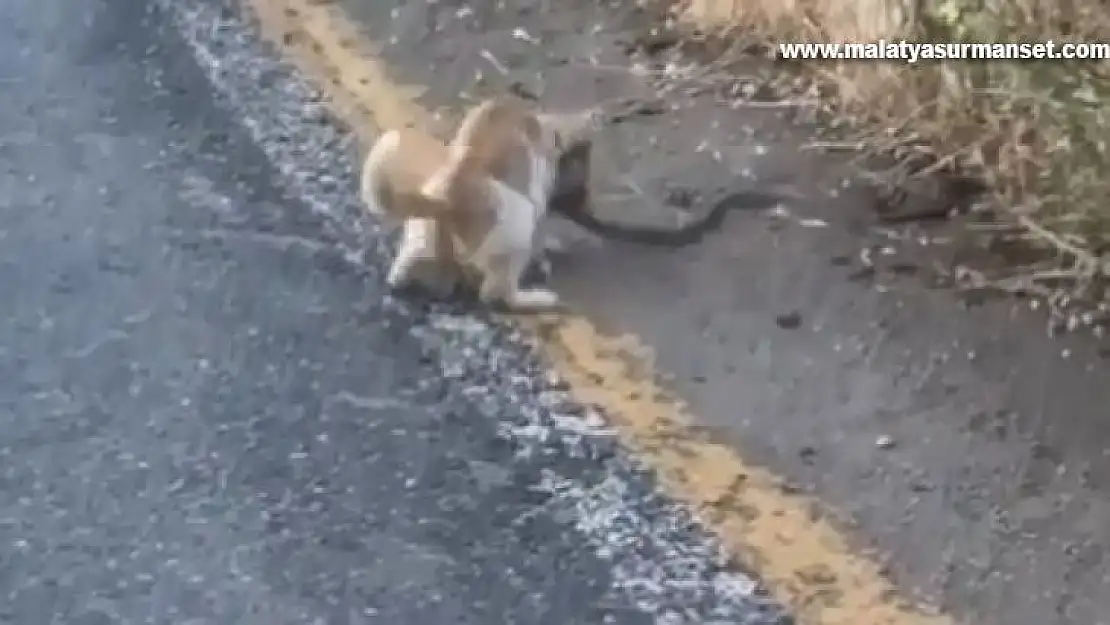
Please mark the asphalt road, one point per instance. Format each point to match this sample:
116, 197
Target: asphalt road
210, 411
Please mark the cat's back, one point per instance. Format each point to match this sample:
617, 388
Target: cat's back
497, 135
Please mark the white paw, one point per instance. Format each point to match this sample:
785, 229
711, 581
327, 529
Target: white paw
396, 280
400, 274
535, 299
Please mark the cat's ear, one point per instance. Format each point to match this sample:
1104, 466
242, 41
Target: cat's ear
590, 121
572, 128
583, 124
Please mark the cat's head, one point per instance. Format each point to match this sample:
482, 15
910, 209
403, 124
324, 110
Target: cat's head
561, 132
570, 194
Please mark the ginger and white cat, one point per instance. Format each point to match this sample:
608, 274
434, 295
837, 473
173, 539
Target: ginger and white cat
478, 202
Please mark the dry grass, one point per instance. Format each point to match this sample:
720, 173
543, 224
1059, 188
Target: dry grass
1037, 132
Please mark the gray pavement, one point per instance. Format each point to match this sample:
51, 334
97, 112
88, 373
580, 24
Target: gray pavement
209, 411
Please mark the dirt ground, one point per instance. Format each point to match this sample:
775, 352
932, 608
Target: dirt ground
951, 434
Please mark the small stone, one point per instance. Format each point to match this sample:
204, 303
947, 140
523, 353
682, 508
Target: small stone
789, 321
555, 381
808, 453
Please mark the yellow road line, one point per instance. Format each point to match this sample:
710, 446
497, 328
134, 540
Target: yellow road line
809, 565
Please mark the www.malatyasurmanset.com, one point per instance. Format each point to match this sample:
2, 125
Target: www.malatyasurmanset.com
911, 52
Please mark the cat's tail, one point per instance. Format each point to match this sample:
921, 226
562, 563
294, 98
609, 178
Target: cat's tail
374, 188
390, 186
439, 186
